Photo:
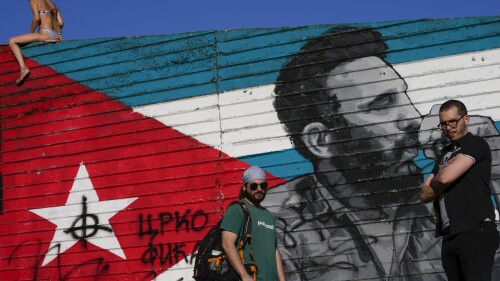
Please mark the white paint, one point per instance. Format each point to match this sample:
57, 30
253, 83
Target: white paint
473, 78
64, 216
249, 124
180, 271
196, 117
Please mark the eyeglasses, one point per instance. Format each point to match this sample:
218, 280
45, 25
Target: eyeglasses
253, 186
452, 123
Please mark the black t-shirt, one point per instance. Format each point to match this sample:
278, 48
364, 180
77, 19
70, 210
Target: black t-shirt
468, 199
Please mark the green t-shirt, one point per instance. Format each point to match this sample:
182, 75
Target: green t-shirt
264, 240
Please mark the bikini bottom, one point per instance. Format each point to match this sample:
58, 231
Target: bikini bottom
52, 34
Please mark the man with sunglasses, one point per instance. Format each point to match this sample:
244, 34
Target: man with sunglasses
459, 188
264, 247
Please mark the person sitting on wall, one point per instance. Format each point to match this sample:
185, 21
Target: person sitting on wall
48, 18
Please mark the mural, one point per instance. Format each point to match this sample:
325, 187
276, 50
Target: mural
119, 154
361, 137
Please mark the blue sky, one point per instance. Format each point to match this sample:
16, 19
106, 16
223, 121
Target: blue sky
106, 18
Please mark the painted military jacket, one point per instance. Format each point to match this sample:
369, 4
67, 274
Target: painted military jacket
321, 240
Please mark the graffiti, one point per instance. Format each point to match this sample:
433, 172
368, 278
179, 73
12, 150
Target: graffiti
37, 259
197, 222
81, 228
100, 267
163, 253
169, 253
84, 226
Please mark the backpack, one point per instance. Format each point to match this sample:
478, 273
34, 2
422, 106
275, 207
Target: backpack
211, 262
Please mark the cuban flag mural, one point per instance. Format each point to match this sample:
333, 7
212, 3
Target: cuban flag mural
119, 154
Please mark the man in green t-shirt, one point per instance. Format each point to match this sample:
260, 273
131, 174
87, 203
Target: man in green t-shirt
264, 243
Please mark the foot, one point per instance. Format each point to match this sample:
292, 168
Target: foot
23, 73
54, 40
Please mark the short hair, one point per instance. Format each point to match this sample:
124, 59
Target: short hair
301, 93
462, 110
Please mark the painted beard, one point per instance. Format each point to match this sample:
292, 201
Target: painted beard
253, 197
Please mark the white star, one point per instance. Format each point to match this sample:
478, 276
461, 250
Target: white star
68, 218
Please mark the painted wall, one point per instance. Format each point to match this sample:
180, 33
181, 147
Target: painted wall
118, 154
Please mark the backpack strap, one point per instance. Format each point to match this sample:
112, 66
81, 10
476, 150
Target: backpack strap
246, 234
247, 240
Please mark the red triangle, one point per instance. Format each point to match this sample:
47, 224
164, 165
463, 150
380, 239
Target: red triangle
50, 125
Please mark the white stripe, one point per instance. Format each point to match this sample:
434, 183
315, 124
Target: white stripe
468, 156
249, 125
196, 117
473, 78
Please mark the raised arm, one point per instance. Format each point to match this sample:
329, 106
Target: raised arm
455, 168
36, 16
428, 194
433, 186
60, 20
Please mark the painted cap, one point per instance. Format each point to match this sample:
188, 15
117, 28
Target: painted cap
253, 173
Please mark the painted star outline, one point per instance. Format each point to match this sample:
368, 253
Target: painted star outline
83, 204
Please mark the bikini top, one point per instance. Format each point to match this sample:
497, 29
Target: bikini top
52, 11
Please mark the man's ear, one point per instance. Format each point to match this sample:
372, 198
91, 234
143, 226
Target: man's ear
466, 120
318, 139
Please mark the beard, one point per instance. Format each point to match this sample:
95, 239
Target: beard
256, 197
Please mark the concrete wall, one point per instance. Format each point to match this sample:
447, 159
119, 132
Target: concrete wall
119, 154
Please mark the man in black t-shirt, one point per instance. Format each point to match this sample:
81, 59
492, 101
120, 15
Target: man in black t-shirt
460, 191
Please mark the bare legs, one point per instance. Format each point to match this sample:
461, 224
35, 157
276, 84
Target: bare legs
23, 69
15, 43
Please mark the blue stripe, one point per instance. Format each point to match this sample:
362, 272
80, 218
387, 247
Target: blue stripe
130, 68
129, 48
456, 37
167, 95
285, 164
137, 71
407, 41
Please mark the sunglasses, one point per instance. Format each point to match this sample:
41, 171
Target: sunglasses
452, 123
253, 186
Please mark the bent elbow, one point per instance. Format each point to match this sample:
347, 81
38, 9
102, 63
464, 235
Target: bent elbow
442, 181
226, 246
225, 243
427, 193
425, 198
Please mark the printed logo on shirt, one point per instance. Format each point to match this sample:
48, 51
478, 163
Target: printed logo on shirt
448, 156
265, 225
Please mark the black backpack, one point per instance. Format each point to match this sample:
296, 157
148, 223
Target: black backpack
211, 262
